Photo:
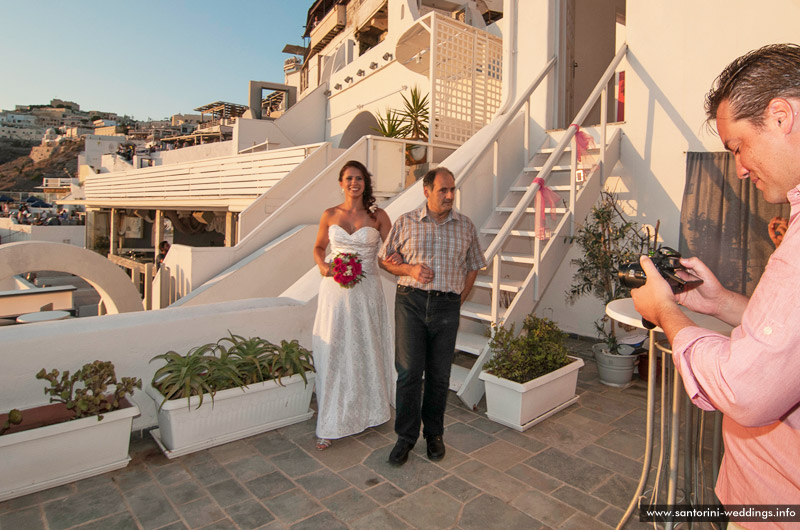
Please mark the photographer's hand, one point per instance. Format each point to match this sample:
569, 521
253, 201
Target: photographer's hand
656, 303
710, 298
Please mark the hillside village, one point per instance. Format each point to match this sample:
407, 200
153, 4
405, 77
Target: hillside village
41, 141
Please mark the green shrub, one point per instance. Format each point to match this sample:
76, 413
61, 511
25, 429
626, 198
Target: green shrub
538, 350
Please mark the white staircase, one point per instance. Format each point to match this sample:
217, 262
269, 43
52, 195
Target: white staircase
524, 265
520, 264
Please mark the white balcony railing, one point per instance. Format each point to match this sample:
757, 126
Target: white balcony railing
233, 177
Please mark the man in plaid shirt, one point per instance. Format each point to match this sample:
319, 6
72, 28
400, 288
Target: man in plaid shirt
441, 258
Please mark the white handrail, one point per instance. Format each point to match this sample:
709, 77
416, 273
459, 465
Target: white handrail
467, 171
523, 204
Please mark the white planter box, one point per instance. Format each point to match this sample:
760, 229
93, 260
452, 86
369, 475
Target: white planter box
235, 413
58, 454
521, 406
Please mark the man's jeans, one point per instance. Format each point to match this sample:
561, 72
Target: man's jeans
426, 324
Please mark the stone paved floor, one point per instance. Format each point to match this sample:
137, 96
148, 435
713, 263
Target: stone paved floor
576, 470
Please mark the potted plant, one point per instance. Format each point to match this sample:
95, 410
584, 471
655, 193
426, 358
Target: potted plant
530, 376
608, 240
85, 431
411, 123
231, 389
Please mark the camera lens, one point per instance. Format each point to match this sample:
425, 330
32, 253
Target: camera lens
632, 275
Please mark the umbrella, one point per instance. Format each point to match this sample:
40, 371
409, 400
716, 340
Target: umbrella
6, 198
32, 199
39, 204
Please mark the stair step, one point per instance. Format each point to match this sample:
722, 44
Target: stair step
458, 374
479, 311
568, 149
513, 257
536, 169
471, 342
506, 284
518, 233
509, 209
564, 187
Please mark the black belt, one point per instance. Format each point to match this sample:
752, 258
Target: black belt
431, 292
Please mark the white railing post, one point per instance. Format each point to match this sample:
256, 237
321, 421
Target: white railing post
368, 158
495, 170
603, 131
526, 132
402, 170
148, 286
573, 183
496, 288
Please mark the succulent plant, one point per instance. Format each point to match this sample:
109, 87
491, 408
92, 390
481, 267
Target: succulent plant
88, 391
233, 361
14, 418
185, 375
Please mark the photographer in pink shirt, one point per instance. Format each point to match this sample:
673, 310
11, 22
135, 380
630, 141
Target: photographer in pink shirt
753, 377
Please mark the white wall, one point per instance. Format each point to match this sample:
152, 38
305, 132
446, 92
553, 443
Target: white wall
304, 122
69, 234
676, 50
130, 340
195, 152
247, 133
97, 146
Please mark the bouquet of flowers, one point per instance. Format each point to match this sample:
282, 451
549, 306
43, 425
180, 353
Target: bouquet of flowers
347, 270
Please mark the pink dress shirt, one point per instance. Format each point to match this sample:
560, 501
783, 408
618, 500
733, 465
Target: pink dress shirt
753, 377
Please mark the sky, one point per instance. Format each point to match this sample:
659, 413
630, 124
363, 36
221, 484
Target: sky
148, 59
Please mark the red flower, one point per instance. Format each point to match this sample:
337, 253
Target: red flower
348, 270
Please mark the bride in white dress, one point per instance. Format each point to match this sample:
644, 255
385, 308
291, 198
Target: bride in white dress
352, 343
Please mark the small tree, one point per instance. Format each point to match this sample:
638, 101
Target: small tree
608, 240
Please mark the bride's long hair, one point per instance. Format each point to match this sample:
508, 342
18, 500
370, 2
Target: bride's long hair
367, 198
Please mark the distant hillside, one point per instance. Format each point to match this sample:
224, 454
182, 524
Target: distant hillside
13, 149
21, 174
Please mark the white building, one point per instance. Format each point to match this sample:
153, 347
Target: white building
21, 132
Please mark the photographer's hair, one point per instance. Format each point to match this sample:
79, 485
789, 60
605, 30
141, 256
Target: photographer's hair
430, 176
753, 80
367, 197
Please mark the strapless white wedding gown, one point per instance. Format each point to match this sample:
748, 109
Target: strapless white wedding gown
353, 344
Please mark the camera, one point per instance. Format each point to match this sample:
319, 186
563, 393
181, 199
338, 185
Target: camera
667, 261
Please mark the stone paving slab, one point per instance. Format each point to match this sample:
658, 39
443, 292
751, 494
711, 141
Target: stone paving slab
577, 470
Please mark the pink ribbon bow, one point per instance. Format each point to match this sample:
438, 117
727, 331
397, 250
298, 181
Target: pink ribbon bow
583, 141
544, 195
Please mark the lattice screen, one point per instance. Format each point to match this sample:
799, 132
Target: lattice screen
467, 80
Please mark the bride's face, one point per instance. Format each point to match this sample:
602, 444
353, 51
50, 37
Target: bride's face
352, 182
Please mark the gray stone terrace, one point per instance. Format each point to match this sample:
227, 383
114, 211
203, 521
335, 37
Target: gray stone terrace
576, 470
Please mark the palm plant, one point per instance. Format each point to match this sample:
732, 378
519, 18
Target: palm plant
391, 125
410, 122
415, 115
